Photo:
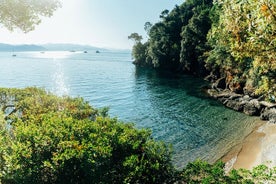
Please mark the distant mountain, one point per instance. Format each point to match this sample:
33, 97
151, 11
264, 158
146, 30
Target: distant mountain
17, 48
47, 47
69, 47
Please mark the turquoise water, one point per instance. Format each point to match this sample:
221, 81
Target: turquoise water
172, 106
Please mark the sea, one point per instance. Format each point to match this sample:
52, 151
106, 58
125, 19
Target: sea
174, 107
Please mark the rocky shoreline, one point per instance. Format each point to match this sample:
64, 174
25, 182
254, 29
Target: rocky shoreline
244, 103
259, 146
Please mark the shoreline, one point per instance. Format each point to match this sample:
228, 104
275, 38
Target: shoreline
257, 148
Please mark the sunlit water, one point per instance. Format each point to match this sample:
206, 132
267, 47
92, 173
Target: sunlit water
172, 106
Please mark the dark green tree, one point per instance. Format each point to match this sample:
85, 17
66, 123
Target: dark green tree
194, 40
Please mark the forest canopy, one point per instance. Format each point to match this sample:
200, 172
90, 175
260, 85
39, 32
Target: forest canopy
233, 40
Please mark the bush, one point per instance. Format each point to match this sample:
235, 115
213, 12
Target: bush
49, 139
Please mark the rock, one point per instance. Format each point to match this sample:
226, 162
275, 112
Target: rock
212, 92
256, 104
267, 104
272, 119
252, 108
227, 94
269, 114
246, 97
223, 100
235, 104
235, 96
244, 103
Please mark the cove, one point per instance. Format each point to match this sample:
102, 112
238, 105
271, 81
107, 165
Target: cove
172, 106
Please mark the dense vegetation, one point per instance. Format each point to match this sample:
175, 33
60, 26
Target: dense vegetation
50, 139
230, 40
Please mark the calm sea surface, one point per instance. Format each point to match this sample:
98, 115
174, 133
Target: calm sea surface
172, 106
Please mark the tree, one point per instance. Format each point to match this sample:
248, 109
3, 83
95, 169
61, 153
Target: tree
25, 14
247, 43
164, 14
194, 41
135, 37
147, 27
179, 34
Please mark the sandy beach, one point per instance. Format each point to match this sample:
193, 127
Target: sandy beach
259, 147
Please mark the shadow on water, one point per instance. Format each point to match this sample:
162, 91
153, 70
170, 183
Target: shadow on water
192, 86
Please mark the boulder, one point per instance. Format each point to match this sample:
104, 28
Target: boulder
267, 104
252, 108
269, 114
235, 104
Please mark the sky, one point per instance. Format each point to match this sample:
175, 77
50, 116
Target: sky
101, 23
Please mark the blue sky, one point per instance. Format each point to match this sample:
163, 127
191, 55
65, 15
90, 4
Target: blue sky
103, 23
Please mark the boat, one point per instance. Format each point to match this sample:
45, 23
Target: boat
97, 51
85, 51
14, 55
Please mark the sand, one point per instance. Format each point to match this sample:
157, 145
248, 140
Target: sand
259, 147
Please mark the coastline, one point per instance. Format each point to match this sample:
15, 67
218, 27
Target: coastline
258, 147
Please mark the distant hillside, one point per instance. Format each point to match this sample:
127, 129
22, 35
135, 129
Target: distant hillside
45, 47
68, 47
13, 48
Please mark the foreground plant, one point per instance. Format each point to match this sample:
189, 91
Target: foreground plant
50, 139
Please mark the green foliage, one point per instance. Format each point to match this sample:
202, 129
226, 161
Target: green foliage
193, 44
135, 37
25, 14
203, 172
173, 41
231, 39
246, 41
49, 139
